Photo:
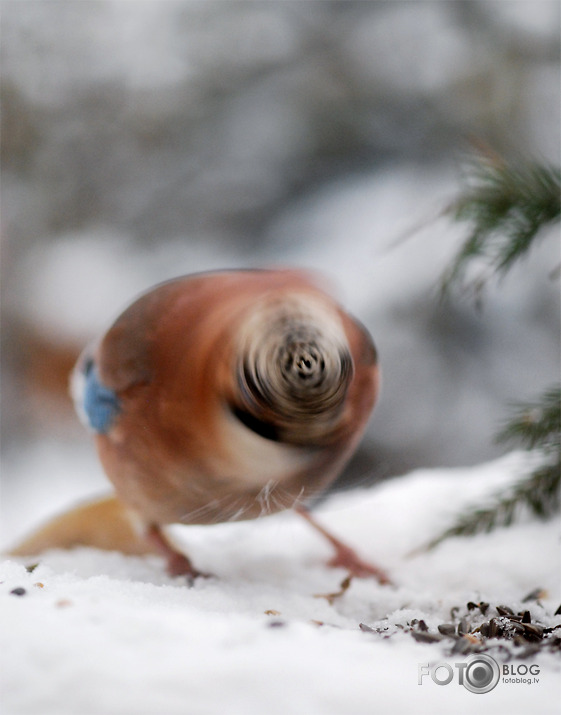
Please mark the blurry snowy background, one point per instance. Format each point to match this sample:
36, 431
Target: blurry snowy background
144, 140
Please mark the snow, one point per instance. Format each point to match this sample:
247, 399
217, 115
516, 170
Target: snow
178, 117
100, 633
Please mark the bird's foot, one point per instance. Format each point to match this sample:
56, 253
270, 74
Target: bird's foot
345, 557
177, 563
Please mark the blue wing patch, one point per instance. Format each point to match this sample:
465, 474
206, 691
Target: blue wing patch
100, 404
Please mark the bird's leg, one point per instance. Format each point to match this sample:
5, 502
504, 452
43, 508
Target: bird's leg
345, 556
177, 563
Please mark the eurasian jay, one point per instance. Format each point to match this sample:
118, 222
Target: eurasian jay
227, 396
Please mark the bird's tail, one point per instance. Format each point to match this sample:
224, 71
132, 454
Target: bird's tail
102, 524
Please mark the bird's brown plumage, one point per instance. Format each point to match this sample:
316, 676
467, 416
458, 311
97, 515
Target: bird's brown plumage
222, 396
178, 452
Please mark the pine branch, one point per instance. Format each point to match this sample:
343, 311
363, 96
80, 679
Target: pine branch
537, 427
507, 206
539, 492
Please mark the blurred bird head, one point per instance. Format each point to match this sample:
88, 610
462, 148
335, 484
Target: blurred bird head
293, 369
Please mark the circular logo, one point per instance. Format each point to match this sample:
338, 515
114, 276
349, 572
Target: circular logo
482, 673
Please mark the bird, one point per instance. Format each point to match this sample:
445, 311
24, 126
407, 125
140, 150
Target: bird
224, 396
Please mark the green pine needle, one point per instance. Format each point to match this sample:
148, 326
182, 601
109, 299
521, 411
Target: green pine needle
539, 492
507, 206
537, 427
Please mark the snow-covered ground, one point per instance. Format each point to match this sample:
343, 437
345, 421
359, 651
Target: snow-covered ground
204, 140
103, 633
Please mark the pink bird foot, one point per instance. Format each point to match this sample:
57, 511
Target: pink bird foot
177, 564
345, 557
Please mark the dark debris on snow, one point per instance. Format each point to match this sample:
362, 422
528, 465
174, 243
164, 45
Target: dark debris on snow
481, 627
